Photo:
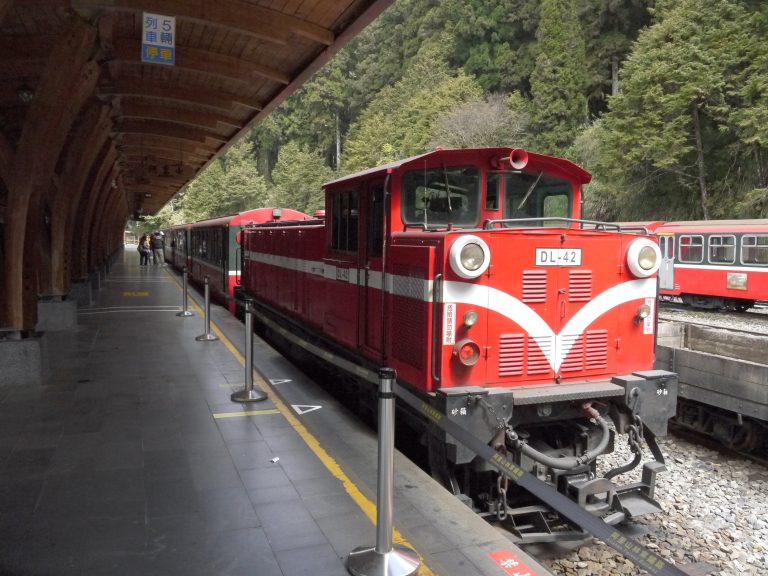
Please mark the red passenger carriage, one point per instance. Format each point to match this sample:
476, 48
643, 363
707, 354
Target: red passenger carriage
714, 263
209, 248
470, 273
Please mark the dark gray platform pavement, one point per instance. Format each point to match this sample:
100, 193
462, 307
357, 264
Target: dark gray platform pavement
120, 465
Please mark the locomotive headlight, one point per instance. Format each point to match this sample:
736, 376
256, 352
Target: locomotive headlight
469, 256
472, 257
470, 317
643, 311
643, 258
467, 352
647, 258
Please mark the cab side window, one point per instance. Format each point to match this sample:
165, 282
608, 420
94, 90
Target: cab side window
344, 220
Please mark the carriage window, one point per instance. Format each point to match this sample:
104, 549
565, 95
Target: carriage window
344, 221
722, 249
536, 196
691, 249
441, 196
754, 250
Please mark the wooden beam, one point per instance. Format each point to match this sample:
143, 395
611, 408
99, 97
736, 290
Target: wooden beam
128, 86
106, 173
137, 154
7, 159
142, 142
203, 61
243, 17
33, 47
86, 142
168, 129
67, 80
4, 6
149, 111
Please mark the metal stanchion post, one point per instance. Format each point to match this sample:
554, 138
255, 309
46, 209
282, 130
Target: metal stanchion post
384, 559
249, 394
184, 311
207, 336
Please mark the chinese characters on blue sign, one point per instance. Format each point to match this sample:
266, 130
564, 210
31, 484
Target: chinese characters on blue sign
158, 39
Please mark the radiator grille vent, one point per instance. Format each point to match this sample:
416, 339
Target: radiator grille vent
538, 351
534, 286
580, 286
574, 361
411, 317
587, 352
596, 355
511, 354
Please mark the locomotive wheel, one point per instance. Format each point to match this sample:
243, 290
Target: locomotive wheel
744, 439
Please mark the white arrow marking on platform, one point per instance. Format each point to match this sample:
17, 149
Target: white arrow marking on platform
276, 382
304, 408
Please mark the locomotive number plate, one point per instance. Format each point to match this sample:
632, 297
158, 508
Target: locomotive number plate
558, 256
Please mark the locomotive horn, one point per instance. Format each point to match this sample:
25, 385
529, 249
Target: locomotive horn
518, 158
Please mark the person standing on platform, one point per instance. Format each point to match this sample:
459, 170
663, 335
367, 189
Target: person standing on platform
143, 250
158, 247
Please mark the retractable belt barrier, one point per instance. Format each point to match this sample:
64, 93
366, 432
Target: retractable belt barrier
626, 546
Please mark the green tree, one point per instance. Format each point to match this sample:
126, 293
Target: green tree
229, 185
495, 121
559, 80
298, 177
671, 124
399, 121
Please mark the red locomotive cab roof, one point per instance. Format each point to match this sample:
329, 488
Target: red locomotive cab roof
756, 226
494, 156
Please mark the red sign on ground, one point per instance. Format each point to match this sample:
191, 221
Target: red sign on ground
511, 564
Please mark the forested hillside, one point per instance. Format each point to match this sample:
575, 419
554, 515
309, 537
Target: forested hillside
665, 102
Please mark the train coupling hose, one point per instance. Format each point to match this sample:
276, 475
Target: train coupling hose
565, 462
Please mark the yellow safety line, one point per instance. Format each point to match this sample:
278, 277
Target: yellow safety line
366, 505
248, 413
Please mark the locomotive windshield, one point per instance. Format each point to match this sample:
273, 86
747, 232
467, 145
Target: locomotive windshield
531, 195
441, 196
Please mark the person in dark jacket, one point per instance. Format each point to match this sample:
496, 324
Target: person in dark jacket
158, 246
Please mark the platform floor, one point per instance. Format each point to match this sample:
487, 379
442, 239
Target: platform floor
133, 460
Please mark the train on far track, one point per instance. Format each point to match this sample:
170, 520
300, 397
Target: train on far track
471, 273
714, 264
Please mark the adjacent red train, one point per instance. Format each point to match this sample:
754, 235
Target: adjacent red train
208, 248
471, 273
714, 263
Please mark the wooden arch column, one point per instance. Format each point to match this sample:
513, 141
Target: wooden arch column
86, 144
105, 174
94, 243
61, 92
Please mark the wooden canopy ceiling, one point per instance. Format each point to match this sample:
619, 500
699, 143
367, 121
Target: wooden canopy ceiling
236, 60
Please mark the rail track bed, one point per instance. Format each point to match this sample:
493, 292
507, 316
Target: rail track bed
715, 516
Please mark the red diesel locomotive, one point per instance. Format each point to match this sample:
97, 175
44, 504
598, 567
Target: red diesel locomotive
470, 273
714, 263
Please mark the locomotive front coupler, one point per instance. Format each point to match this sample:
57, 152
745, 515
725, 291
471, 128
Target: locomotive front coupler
565, 462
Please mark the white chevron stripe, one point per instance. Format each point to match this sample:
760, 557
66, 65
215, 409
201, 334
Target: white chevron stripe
534, 325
